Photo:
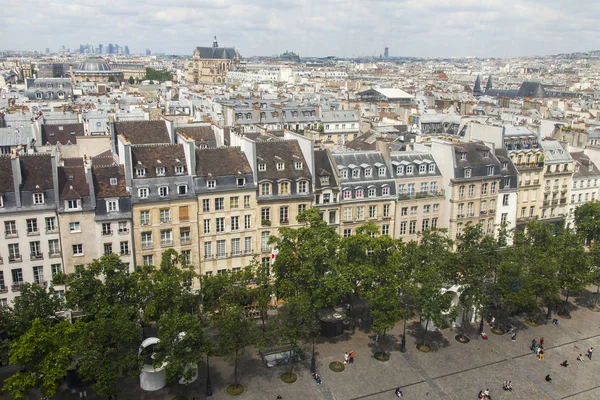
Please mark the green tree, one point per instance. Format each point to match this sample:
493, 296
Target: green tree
263, 289
595, 271
290, 325
35, 302
43, 355
158, 75
235, 334
182, 345
131, 80
434, 267
8, 331
587, 220
574, 264
111, 79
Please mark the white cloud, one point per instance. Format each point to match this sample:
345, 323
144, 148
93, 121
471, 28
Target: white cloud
499, 28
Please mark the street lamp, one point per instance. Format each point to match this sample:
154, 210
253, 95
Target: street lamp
313, 361
403, 343
208, 384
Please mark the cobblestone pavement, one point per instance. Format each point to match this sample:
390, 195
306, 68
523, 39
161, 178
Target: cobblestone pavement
452, 370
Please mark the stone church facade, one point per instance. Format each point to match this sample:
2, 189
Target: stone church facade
211, 64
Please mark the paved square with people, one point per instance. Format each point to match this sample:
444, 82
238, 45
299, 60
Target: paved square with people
452, 370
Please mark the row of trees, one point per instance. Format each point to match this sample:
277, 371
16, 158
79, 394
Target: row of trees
315, 268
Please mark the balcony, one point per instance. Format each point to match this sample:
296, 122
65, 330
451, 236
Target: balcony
17, 286
536, 181
11, 234
41, 283
15, 258
563, 201
284, 221
124, 253
166, 242
55, 254
147, 245
145, 223
470, 215
123, 231
165, 220
37, 256
265, 222
33, 232
483, 212
492, 212
248, 251
107, 233
546, 203
3, 289
51, 230
222, 255
554, 202
460, 216
186, 241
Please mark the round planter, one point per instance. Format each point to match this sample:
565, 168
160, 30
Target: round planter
381, 356
423, 348
288, 378
462, 339
337, 366
235, 390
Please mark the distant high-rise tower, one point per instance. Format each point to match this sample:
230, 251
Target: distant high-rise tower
477, 87
489, 83
47, 49
100, 48
81, 49
127, 50
386, 52
111, 48
148, 52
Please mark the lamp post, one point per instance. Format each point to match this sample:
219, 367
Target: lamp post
208, 384
403, 343
313, 361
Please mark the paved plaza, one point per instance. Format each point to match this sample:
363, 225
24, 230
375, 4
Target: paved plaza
452, 370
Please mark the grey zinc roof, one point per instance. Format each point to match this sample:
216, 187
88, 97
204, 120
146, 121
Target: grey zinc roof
14, 136
407, 158
554, 152
286, 151
584, 166
338, 116
323, 166
226, 53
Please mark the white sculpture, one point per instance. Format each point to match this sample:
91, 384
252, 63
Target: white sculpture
151, 379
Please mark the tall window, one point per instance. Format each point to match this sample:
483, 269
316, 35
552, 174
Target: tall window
147, 240
360, 212
248, 245
184, 236
471, 190
145, 217
284, 188
348, 214
386, 210
32, 226
206, 205
284, 215
38, 198
265, 189
220, 204
412, 227
235, 223
165, 215
148, 260
264, 241
221, 248
247, 221
235, 247
207, 249
166, 237
124, 247
50, 224
302, 187
372, 211
234, 202
206, 226
53, 248
265, 214
246, 201
220, 224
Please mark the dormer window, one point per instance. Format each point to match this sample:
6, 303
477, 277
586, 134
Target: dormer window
486, 154
280, 166
38, 198
113, 181
490, 170
51, 133
344, 173
163, 191
298, 165
211, 183
400, 170
355, 173
385, 191
241, 181
179, 170
140, 172
1, 201
431, 168
72, 204
504, 165
372, 192
182, 189
381, 171
368, 172
324, 180
360, 193
409, 169
462, 156
467, 172
143, 193
262, 167
422, 168
112, 205
160, 171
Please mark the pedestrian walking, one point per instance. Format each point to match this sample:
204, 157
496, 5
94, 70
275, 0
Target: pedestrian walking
279, 397
541, 354
486, 394
589, 352
564, 364
533, 344
548, 379
542, 342
346, 357
537, 351
580, 357
352, 357
514, 336
398, 392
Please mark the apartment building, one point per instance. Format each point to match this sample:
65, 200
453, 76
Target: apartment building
31, 250
558, 180
472, 183
527, 155
76, 214
420, 195
285, 187
585, 184
227, 216
368, 191
113, 214
164, 205
327, 190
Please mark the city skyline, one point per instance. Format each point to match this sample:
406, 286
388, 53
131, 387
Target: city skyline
428, 28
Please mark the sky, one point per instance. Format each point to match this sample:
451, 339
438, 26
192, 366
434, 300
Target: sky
343, 28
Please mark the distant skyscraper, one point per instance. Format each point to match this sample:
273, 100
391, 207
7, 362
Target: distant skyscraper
111, 49
148, 52
386, 52
47, 49
127, 50
81, 49
100, 48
